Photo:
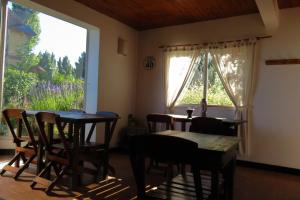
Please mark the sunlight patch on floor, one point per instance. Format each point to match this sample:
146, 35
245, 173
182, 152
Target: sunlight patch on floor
2, 164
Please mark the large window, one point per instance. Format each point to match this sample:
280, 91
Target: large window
45, 62
204, 83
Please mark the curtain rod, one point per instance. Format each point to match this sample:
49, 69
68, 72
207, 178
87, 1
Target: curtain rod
205, 43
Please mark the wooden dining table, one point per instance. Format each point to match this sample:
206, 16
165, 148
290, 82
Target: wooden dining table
183, 119
79, 120
217, 154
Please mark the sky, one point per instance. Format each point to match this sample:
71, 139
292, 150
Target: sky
61, 38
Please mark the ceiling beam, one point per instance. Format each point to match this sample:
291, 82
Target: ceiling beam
269, 13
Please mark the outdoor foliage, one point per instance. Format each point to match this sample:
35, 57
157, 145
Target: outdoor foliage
64, 96
80, 69
17, 84
40, 82
216, 94
47, 89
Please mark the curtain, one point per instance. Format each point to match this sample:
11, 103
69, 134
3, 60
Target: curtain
236, 67
179, 66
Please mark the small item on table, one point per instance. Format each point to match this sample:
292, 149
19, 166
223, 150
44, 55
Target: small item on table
189, 112
203, 107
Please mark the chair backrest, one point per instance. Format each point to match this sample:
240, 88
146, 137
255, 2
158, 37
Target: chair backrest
70, 125
209, 125
155, 118
47, 122
112, 125
16, 120
161, 147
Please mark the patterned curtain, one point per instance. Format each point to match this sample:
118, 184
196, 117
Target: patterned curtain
236, 66
179, 68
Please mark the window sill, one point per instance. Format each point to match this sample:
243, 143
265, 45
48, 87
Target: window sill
198, 106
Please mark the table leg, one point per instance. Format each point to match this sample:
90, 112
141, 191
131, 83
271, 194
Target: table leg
183, 126
75, 173
229, 180
82, 134
106, 156
215, 184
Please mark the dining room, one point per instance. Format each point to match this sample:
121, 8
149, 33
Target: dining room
235, 62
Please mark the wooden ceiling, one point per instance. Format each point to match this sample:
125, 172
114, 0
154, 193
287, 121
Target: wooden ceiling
148, 14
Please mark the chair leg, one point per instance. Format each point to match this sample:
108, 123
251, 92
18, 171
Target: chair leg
14, 159
99, 175
150, 166
41, 174
182, 169
111, 169
23, 158
17, 163
198, 183
52, 185
169, 171
57, 169
26, 165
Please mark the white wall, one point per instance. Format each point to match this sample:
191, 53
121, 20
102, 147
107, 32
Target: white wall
276, 135
117, 73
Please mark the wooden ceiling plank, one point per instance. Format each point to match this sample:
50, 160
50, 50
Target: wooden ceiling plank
269, 13
148, 14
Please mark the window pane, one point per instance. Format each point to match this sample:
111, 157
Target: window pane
216, 94
45, 61
193, 92
177, 70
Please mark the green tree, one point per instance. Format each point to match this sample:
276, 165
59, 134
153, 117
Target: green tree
80, 66
28, 62
64, 66
48, 62
59, 65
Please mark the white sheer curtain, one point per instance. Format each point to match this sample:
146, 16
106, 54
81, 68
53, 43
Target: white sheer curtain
236, 67
179, 65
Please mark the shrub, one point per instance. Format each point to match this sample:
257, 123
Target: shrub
17, 84
65, 96
216, 95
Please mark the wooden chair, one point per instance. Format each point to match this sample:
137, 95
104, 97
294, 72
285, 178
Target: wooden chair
102, 148
16, 120
168, 149
165, 122
214, 126
155, 118
70, 126
58, 156
210, 125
